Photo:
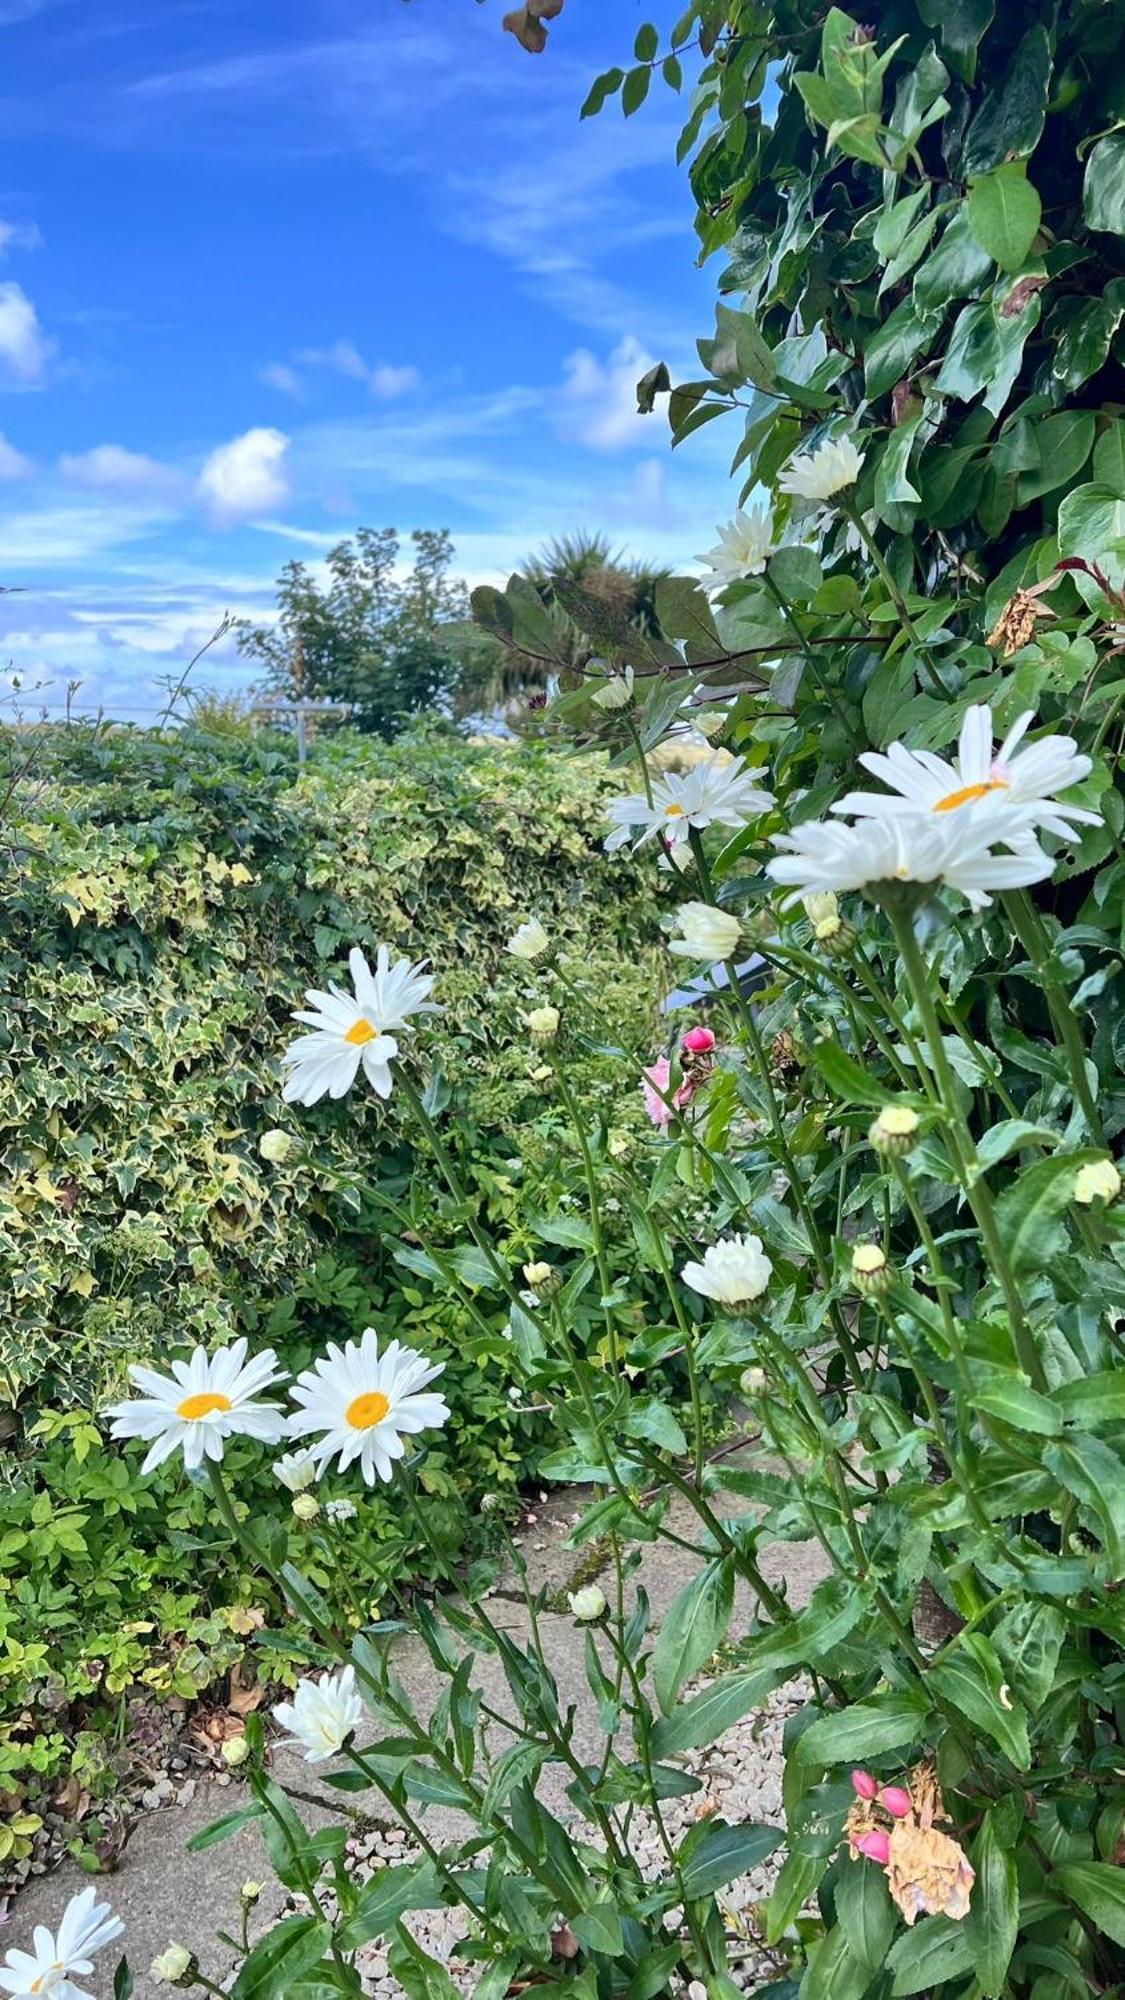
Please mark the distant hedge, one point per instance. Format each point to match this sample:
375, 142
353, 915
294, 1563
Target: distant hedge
167, 900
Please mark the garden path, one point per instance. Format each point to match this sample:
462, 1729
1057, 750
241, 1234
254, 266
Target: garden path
165, 1894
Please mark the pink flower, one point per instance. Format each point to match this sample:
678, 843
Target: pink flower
864, 1785
876, 1846
897, 1800
659, 1073
700, 1041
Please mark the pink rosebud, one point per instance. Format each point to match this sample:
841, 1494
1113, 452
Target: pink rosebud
876, 1846
897, 1800
700, 1041
864, 1785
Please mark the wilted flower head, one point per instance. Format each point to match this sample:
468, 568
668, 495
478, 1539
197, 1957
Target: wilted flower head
928, 1873
296, 1470
657, 1078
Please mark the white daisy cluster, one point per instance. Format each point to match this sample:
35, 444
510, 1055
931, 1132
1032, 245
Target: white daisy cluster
972, 824
717, 792
744, 547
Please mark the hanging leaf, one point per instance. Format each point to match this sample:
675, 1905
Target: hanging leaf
1004, 211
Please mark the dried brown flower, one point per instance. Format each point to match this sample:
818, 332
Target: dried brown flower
1016, 623
928, 1874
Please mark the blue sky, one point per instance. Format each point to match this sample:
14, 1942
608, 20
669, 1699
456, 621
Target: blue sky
270, 269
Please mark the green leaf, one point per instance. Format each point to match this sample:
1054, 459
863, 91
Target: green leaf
894, 493
994, 1909
1007, 1136
894, 345
847, 1735
694, 1625
866, 1912
833, 1973
1109, 458
1015, 1402
221, 1829
385, 1897
598, 1928
1093, 1399
971, 1680
635, 89
652, 1420
935, 1950
798, 1878
647, 42
671, 71
1083, 346
707, 1715
847, 1079
957, 269
1095, 1474
1103, 185
962, 25
1004, 211
1027, 1213
1097, 1888
604, 86
1009, 123
280, 1958
1062, 444
1028, 1640
714, 1854
122, 1981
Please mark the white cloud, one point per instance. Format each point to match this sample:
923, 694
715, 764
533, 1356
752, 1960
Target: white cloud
13, 464
278, 375
598, 403
24, 348
110, 467
382, 378
18, 236
246, 477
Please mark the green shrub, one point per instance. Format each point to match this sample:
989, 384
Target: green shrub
169, 899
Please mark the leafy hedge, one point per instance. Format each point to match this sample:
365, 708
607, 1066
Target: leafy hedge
167, 900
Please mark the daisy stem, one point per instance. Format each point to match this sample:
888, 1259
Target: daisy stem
963, 1145
413, 1826
605, 1276
458, 1191
851, 512
808, 653
1029, 928
641, 758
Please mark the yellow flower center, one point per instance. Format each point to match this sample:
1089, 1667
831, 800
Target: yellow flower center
203, 1405
968, 794
366, 1410
673, 812
360, 1033
40, 1985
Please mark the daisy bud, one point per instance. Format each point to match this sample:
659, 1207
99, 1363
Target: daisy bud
869, 1269
753, 1381
251, 1891
306, 1506
530, 941
1099, 1182
699, 1041
706, 934
543, 1023
234, 1752
864, 1785
586, 1605
894, 1130
897, 1801
174, 1967
538, 1275
875, 1846
275, 1146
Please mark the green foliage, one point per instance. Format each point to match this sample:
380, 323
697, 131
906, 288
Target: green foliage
385, 646
168, 901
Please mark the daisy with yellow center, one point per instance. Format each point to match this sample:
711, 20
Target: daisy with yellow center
358, 1404
200, 1404
714, 793
352, 1031
50, 1968
1024, 781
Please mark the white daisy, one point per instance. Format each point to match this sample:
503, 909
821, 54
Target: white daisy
744, 547
321, 1715
363, 1404
1024, 781
817, 475
295, 1469
46, 1972
714, 792
616, 691
954, 848
529, 941
706, 933
354, 1029
200, 1404
733, 1272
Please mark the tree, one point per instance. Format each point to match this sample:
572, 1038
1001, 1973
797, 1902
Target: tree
388, 646
595, 599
